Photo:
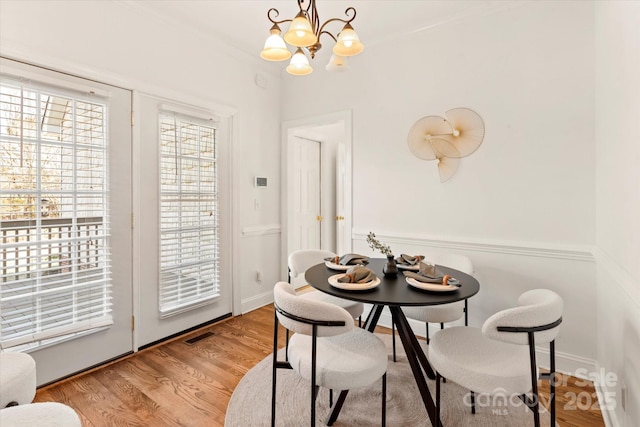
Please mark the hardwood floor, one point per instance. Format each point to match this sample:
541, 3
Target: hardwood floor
180, 384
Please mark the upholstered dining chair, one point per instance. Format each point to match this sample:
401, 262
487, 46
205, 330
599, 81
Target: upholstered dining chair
501, 357
300, 261
326, 348
443, 313
17, 390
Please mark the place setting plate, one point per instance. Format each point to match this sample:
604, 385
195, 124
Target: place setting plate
435, 287
333, 281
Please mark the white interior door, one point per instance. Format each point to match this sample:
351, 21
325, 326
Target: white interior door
307, 219
110, 127
341, 235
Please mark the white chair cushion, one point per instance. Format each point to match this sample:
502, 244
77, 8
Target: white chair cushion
354, 308
344, 362
446, 312
285, 298
45, 414
17, 378
464, 355
301, 261
536, 307
442, 313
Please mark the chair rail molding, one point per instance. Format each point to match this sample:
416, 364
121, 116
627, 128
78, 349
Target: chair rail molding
261, 230
562, 251
629, 285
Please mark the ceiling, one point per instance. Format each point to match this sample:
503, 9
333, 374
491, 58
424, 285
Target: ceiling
244, 24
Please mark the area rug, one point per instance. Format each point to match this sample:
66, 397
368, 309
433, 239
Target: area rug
250, 404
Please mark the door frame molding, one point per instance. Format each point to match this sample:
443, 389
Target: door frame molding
344, 116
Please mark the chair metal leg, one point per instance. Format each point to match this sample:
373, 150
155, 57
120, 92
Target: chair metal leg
384, 400
441, 326
359, 321
473, 402
314, 390
535, 404
274, 369
552, 383
437, 398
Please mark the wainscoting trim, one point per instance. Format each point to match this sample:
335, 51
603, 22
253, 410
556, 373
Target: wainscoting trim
570, 252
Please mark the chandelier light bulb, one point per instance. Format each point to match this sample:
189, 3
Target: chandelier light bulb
300, 33
348, 43
337, 64
299, 65
275, 49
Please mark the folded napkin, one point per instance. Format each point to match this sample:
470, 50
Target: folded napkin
357, 274
348, 259
428, 274
405, 259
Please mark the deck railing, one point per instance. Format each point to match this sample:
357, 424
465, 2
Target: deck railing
65, 243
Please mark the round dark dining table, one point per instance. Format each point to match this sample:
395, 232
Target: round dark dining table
395, 292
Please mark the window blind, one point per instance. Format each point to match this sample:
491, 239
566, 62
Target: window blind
189, 276
54, 222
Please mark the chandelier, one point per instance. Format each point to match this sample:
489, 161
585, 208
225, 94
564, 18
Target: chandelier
304, 35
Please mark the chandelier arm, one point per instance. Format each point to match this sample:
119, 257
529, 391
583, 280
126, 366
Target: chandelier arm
345, 21
273, 9
314, 18
327, 33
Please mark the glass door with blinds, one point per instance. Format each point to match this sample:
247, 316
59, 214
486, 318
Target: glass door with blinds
181, 268
65, 206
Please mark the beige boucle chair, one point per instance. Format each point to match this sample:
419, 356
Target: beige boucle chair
17, 390
501, 357
326, 349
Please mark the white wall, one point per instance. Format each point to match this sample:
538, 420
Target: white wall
522, 207
122, 43
618, 202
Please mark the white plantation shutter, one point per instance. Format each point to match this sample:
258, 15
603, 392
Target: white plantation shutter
54, 222
189, 276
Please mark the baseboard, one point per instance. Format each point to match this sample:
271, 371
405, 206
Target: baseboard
256, 301
608, 413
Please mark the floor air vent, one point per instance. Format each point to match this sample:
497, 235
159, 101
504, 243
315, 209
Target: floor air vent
199, 337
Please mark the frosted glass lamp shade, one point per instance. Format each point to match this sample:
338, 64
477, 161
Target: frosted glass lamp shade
300, 32
348, 43
275, 48
299, 65
337, 64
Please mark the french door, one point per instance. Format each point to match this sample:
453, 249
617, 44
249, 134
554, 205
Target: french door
182, 226
65, 214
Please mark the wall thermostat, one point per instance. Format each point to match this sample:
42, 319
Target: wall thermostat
260, 182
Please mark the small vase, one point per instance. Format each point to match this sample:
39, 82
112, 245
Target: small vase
390, 269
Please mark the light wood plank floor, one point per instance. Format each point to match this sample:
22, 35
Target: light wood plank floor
181, 384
